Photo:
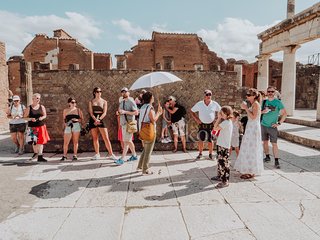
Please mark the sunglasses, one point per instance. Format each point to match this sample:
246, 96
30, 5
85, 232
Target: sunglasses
248, 95
270, 91
73, 102
99, 91
208, 94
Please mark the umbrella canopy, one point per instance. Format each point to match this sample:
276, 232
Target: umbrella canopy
154, 79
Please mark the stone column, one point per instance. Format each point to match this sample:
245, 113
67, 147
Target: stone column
290, 8
288, 84
263, 71
29, 90
238, 70
318, 103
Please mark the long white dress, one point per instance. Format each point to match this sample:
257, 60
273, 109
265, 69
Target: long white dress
250, 159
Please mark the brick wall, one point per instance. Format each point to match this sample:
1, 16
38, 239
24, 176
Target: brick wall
102, 61
14, 74
57, 86
4, 86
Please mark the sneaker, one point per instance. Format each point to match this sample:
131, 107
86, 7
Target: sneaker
199, 156
216, 178
96, 157
112, 157
162, 140
277, 164
34, 156
21, 151
210, 156
74, 158
267, 159
168, 140
132, 158
41, 159
16, 149
119, 161
63, 158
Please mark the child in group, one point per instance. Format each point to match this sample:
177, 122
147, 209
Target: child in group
165, 123
224, 124
235, 132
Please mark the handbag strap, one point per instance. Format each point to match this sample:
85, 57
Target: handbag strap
145, 113
125, 115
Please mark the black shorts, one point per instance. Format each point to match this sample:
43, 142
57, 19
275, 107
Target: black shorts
21, 127
205, 132
91, 124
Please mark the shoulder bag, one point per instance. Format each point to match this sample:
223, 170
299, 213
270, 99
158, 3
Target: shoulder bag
147, 132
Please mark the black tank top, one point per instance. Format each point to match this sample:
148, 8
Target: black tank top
35, 114
71, 116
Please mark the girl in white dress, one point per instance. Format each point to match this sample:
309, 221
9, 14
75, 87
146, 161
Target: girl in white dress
250, 160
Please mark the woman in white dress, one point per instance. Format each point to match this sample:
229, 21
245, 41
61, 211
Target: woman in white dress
250, 160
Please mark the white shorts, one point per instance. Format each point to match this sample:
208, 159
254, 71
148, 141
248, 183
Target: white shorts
126, 137
178, 128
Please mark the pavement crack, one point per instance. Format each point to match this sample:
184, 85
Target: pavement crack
302, 209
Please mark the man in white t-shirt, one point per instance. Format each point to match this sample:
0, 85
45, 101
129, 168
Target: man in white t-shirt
207, 109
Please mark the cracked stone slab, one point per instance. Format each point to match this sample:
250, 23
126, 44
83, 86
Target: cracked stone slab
307, 211
210, 219
34, 224
239, 234
158, 223
92, 223
269, 220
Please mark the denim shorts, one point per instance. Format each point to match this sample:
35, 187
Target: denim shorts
76, 127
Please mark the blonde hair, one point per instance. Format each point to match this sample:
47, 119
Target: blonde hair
36, 95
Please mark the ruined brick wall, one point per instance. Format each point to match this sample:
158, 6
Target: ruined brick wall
307, 86
14, 74
70, 52
40, 48
57, 86
186, 51
4, 86
102, 61
142, 56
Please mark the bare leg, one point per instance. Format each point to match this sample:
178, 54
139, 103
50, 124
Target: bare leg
183, 140
200, 146
95, 139
175, 142
105, 137
75, 140
66, 141
210, 147
21, 139
14, 139
275, 150
266, 147
132, 148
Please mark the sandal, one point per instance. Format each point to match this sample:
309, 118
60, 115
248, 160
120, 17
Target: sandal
147, 172
175, 150
246, 176
222, 185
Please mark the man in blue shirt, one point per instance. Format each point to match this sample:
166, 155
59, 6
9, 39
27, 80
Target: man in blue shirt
272, 108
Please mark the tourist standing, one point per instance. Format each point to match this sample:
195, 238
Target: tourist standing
148, 115
127, 110
224, 124
166, 122
250, 160
38, 114
72, 121
207, 109
98, 108
178, 113
17, 124
235, 140
273, 107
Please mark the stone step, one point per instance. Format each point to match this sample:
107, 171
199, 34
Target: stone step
301, 134
304, 122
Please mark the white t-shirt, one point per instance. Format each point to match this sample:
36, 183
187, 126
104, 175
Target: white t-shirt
224, 138
206, 113
17, 112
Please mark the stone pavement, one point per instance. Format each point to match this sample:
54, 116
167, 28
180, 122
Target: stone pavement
98, 200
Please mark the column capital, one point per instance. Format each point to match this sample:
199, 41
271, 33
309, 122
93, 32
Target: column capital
265, 56
291, 48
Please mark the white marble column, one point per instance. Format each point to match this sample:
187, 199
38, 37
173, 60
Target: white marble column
288, 84
263, 71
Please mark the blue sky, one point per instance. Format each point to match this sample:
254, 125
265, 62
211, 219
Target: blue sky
229, 27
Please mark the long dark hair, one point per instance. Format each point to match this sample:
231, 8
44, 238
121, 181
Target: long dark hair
254, 92
146, 97
95, 91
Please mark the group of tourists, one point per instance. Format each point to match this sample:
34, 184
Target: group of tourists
215, 123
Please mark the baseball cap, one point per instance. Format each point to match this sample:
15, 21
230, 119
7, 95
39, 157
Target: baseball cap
124, 89
16, 98
172, 98
207, 91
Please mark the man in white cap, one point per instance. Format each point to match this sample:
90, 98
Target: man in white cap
127, 110
17, 124
207, 109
